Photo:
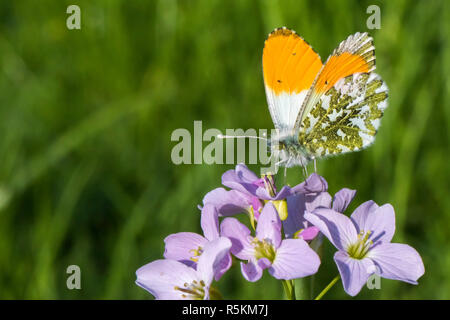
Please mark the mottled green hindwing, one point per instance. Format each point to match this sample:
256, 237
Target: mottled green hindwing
346, 117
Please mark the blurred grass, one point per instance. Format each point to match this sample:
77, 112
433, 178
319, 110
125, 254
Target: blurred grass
86, 118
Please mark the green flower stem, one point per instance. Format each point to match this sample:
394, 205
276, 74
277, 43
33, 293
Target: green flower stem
289, 289
316, 245
311, 286
300, 289
328, 287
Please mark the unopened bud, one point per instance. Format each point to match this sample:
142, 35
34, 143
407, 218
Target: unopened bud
281, 206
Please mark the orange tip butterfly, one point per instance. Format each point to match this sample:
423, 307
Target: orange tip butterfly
320, 110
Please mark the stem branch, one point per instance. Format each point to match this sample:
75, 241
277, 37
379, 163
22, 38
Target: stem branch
289, 289
328, 287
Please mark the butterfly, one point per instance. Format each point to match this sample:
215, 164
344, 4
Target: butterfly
320, 110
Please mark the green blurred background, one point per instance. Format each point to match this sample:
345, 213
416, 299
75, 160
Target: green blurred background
86, 117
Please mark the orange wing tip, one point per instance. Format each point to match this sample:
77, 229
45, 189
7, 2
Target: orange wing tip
290, 64
356, 54
281, 31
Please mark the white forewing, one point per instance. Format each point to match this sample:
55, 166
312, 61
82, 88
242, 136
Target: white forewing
284, 107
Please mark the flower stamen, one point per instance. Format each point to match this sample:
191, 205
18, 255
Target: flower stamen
269, 184
361, 247
196, 253
264, 249
195, 290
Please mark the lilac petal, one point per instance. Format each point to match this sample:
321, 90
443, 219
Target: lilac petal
180, 246
342, 199
240, 238
337, 227
251, 271
294, 259
241, 179
354, 273
263, 193
210, 262
313, 184
256, 204
379, 220
244, 180
313, 201
295, 220
360, 214
309, 233
260, 182
223, 266
264, 263
297, 205
210, 222
398, 262
269, 225
283, 194
160, 278
228, 203
245, 174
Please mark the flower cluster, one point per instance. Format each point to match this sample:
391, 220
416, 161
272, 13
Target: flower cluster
282, 226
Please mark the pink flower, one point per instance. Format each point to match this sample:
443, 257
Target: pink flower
188, 247
364, 244
172, 280
285, 259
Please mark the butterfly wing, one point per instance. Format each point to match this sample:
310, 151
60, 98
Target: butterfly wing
342, 110
345, 118
290, 66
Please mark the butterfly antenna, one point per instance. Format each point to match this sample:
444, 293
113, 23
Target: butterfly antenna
221, 136
279, 162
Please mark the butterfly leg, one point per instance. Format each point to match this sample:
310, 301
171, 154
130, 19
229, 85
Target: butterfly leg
305, 171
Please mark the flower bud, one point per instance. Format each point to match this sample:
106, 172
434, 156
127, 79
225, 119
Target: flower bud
281, 206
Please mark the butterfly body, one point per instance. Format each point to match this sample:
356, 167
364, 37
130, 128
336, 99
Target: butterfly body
320, 110
286, 147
